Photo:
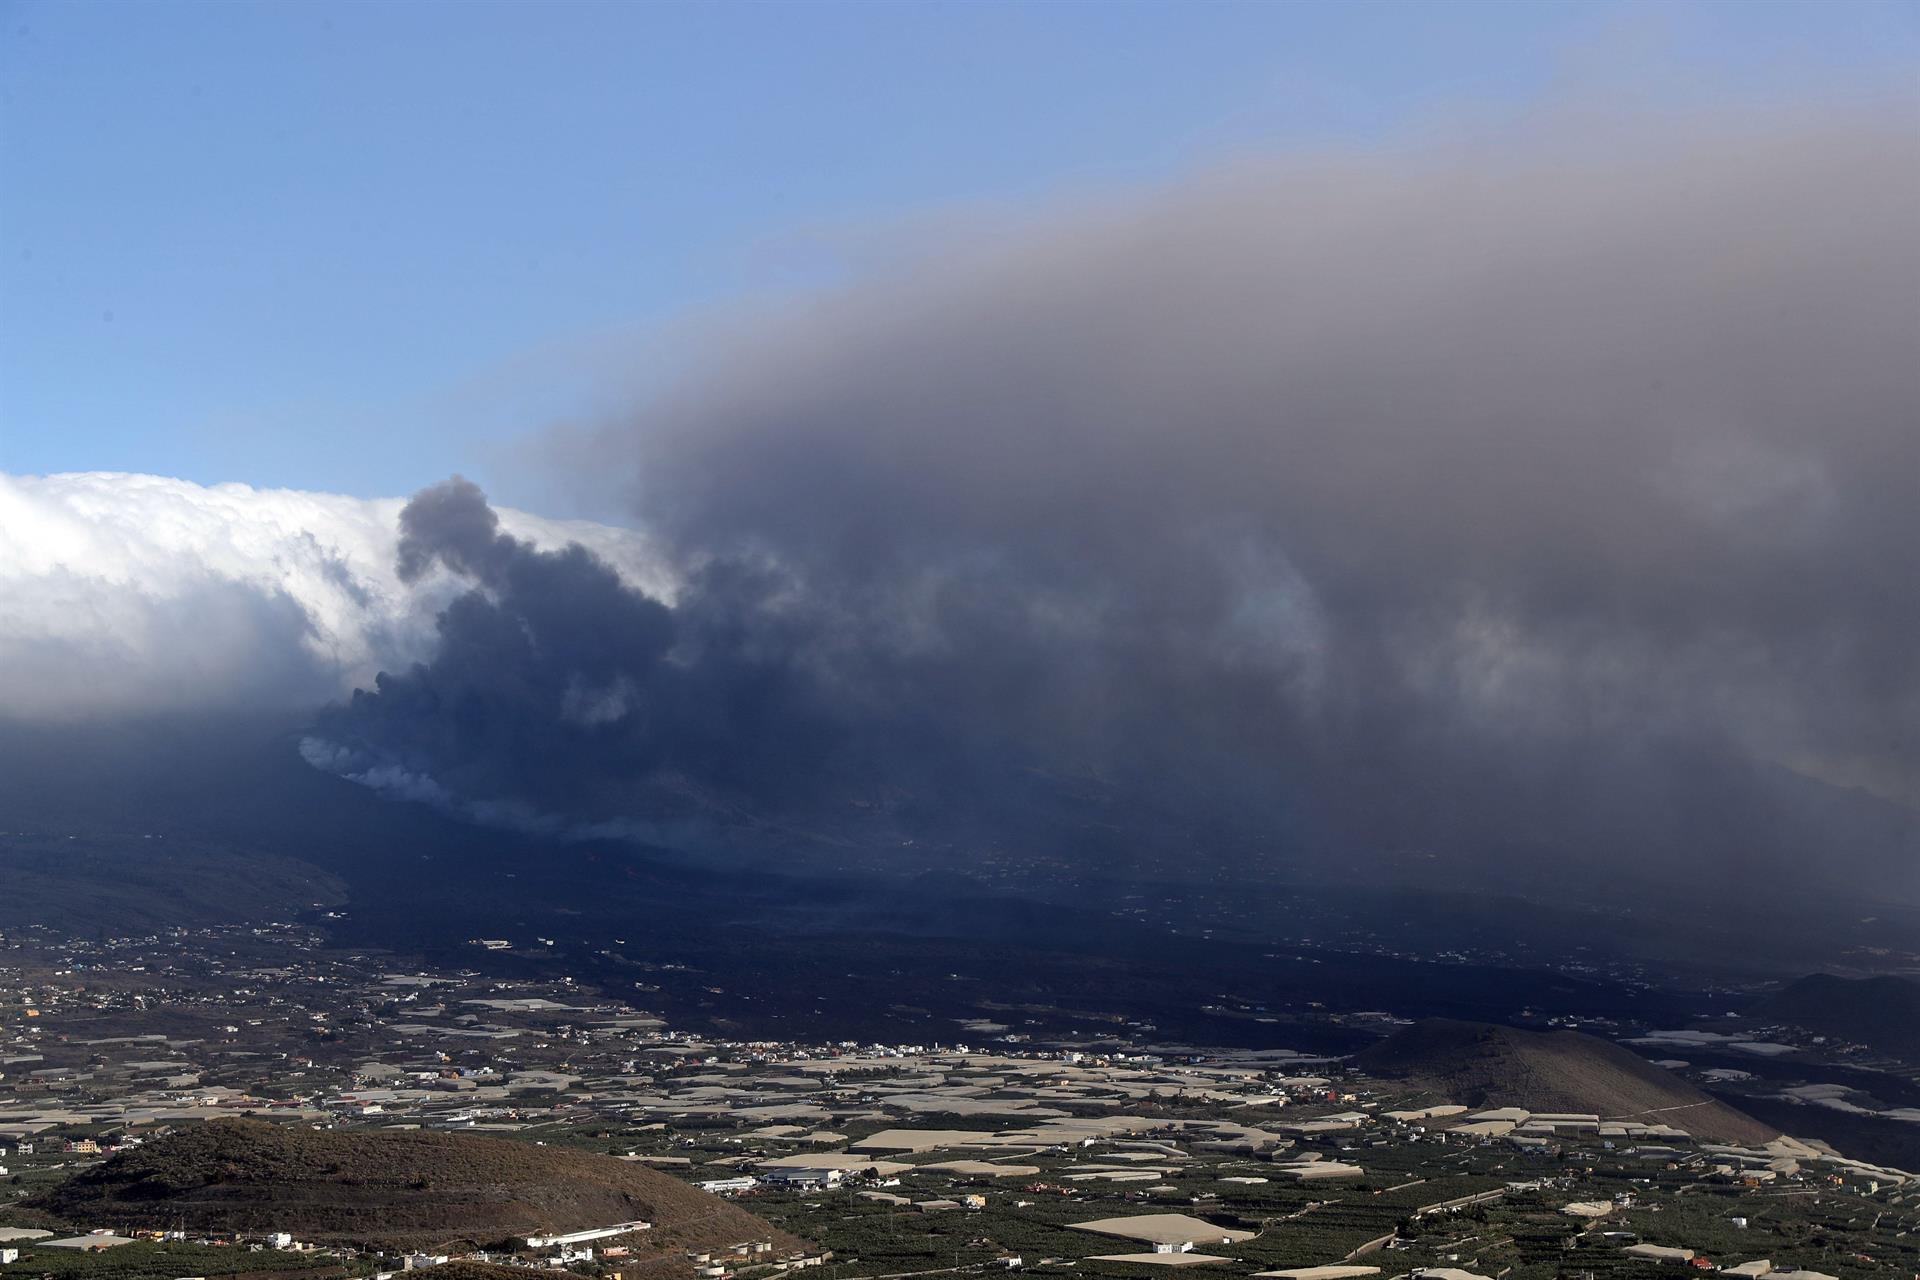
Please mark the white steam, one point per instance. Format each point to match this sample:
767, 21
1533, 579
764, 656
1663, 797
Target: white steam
134, 594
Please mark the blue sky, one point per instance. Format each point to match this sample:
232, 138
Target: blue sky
360, 246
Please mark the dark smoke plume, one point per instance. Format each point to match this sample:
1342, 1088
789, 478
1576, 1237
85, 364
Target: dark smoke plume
558, 690
1544, 509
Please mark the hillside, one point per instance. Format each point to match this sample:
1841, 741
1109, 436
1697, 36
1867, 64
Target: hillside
132, 884
1480, 1064
392, 1189
1882, 1012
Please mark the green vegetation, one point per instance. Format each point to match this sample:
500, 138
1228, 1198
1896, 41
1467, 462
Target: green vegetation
149, 1260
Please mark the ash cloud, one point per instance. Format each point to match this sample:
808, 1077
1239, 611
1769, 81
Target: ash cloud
563, 699
1542, 507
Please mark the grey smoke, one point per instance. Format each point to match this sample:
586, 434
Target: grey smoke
562, 696
1554, 502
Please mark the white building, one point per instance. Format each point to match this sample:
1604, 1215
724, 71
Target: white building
721, 1186
803, 1177
581, 1237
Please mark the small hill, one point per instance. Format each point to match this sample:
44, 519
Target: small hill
1480, 1064
1881, 1012
404, 1189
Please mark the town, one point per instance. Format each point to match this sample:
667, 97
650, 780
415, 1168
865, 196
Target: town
987, 1147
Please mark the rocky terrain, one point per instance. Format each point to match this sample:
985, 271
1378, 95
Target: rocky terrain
405, 1189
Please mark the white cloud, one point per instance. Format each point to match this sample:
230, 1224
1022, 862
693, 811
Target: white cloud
132, 593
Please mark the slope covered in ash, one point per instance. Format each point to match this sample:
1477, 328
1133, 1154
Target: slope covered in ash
392, 1189
1481, 1064
1882, 1012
